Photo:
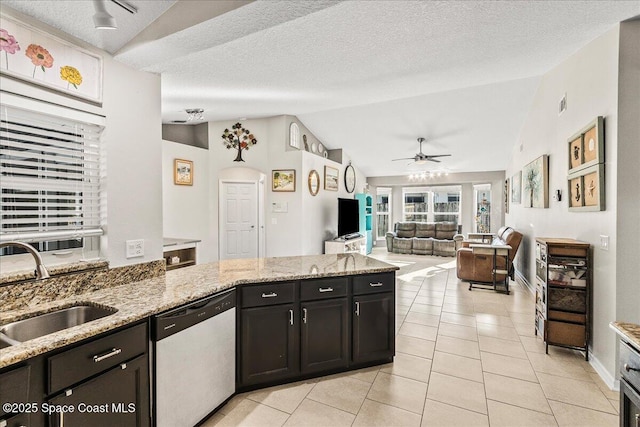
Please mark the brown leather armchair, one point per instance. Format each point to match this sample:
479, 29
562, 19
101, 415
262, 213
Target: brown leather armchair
475, 267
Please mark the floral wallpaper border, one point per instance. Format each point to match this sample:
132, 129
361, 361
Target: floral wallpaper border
37, 57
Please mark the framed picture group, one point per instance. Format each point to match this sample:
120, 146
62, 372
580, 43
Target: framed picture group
585, 178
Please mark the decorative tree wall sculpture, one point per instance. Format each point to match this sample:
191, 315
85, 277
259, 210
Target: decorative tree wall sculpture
238, 138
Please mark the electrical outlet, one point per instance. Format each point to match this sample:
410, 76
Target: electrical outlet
604, 243
135, 248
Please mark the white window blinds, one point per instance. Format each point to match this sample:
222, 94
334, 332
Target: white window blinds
49, 177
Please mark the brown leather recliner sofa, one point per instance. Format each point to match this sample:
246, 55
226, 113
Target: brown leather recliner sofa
424, 238
474, 267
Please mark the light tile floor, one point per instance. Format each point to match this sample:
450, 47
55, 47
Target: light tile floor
463, 358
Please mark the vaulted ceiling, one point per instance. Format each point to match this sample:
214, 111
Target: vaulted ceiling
366, 76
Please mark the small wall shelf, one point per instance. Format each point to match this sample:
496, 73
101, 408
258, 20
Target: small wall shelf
183, 249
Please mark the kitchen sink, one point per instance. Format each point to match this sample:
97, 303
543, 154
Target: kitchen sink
37, 326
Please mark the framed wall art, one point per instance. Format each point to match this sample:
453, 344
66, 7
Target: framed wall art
587, 189
586, 148
535, 177
39, 58
283, 180
506, 195
331, 176
516, 188
182, 172
314, 182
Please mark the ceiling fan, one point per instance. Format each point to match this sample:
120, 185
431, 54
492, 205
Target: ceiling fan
421, 158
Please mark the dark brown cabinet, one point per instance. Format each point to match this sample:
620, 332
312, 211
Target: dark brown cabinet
116, 397
294, 330
373, 327
269, 342
324, 335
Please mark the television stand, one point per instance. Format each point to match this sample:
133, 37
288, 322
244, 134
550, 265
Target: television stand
352, 236
343, 246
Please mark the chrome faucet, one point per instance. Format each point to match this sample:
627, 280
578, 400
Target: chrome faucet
41, 272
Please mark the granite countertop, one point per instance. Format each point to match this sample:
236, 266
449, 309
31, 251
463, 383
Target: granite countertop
630, 332
138, 300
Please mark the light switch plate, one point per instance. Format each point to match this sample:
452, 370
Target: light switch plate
135, 248
604, 242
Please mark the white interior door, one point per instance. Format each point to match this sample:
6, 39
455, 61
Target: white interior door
239, 220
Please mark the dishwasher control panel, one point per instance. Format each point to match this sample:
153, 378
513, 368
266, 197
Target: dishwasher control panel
178, 319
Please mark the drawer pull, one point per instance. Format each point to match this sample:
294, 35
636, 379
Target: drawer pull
375, 285
304, 315
291, 317
271, 295
325, 289
113, 352
357, 308
629, 368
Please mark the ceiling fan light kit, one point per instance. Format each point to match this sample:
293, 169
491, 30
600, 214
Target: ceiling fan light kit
102, 20
420, 158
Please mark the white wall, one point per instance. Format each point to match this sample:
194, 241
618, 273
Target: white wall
589, 78
184, 207
308, 222
131, 106
628, 199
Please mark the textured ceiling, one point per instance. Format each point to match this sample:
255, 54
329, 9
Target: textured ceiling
367, 76
75, 17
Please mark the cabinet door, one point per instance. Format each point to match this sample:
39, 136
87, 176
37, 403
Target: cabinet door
324, 335
269, 346
119, 397
373, 327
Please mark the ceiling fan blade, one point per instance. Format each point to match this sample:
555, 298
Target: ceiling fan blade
433, 160
404, 158
438, 155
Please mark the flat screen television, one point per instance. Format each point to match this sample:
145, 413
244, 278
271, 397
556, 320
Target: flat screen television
348, 217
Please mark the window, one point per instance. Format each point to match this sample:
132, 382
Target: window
49, 179
482, 194
431, 204
383, 212
416, 206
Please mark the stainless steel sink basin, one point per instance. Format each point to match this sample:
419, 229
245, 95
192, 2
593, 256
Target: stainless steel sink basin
48, 323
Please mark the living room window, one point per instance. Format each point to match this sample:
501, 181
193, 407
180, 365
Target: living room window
50, 177
429, 204
383, 212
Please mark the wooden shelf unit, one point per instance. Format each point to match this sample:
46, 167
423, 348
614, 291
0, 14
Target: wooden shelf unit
366, 219
563, 293
186, 253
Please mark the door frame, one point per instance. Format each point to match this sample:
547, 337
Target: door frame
259, 206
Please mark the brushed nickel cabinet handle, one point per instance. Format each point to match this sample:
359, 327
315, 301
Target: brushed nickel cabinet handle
113, 352
357, 308
304, 315
375, 285
291, 317
325, 289
271, 295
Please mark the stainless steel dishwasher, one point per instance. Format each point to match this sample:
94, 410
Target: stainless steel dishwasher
195, 360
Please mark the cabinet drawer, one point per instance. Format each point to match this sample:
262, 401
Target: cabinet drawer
567, 299
569, 251
74, 365
567, 317
269, 294
566, 333
371, 283
323, 288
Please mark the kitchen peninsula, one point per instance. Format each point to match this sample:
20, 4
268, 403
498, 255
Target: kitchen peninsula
353, 293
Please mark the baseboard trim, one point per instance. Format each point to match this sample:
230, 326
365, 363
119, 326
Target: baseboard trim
608, 379
524, 282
